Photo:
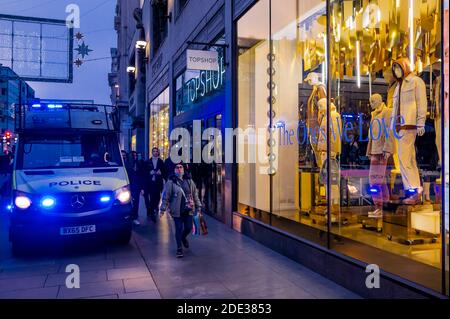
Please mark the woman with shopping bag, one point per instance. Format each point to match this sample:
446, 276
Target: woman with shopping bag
180, 198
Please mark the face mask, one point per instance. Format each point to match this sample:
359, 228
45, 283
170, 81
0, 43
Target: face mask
179, 174
398, 72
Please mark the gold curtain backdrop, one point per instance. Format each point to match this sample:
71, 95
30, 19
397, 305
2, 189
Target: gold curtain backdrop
381, 29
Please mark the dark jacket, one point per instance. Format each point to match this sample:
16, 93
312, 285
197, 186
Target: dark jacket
155, 180
173, 194
135, 171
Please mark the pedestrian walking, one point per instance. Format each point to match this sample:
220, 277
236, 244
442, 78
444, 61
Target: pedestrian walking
132, 167
138, 171
154, 183
180, 198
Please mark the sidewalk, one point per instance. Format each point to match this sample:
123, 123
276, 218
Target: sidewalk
223, 264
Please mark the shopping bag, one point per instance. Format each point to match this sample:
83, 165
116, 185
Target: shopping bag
196, 225
203, 227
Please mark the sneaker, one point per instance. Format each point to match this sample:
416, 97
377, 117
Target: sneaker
413, 200
378, 213
136, 222
185, 243
179, 253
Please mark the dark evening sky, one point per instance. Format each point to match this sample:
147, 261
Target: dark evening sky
91, 79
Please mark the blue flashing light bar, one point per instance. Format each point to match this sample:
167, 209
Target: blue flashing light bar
412, 190
105, 199
54, 106
36, 105
373, 190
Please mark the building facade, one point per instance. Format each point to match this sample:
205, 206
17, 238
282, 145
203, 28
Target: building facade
13, 91
119, 79
368, 189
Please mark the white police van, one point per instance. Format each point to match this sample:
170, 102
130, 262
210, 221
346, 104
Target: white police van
69, 181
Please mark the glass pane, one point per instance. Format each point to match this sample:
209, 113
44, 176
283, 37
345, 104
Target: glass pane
159, 123
253, 106
446, 139
299, 194
385, 67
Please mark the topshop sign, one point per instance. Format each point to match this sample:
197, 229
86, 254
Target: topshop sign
205, 83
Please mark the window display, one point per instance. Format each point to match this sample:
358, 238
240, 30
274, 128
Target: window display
159, 124
388, 50
356, 111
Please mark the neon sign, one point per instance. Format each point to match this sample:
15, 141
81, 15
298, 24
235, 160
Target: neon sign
205, 83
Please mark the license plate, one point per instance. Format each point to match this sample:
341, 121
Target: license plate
77, 230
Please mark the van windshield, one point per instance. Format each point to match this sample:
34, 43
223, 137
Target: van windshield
83, 150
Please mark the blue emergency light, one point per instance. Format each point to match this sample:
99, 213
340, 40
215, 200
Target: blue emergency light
105, 199
48, 202
54, 106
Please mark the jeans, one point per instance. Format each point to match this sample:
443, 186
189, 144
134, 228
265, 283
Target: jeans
183, 227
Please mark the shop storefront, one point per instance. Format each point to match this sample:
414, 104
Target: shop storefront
351, 102
199, 105
159, 124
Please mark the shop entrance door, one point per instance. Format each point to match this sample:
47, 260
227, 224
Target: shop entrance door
213, 181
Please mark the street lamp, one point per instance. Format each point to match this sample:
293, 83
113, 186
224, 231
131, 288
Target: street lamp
131, 69
141, 44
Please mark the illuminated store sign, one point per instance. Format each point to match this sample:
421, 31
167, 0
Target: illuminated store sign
202, 60
205, 83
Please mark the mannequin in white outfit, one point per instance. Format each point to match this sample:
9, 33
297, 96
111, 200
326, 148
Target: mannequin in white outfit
318, 92
379, 149
409, 112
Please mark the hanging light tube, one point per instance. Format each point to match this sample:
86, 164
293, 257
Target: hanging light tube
411, 33
358, 66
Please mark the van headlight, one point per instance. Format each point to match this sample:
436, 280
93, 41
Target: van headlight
123, 195
22, 201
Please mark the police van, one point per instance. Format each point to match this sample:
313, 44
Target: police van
69, 181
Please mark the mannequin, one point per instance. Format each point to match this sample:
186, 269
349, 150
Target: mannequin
379, 149
437, 115
318, 92
409, 112
390, 79
335, 142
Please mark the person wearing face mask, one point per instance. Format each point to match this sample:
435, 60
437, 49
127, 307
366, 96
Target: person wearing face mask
409, 112
379, 149
180, 198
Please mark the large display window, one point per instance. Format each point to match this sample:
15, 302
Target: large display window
159, 123
352, 120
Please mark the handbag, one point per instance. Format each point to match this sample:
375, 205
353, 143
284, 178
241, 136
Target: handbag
188, 206
203, 227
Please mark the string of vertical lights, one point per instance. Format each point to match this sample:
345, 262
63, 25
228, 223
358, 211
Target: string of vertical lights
271, 114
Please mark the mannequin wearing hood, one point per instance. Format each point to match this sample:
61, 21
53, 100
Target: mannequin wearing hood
318, 92
379, 149
409, 112
335, 140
